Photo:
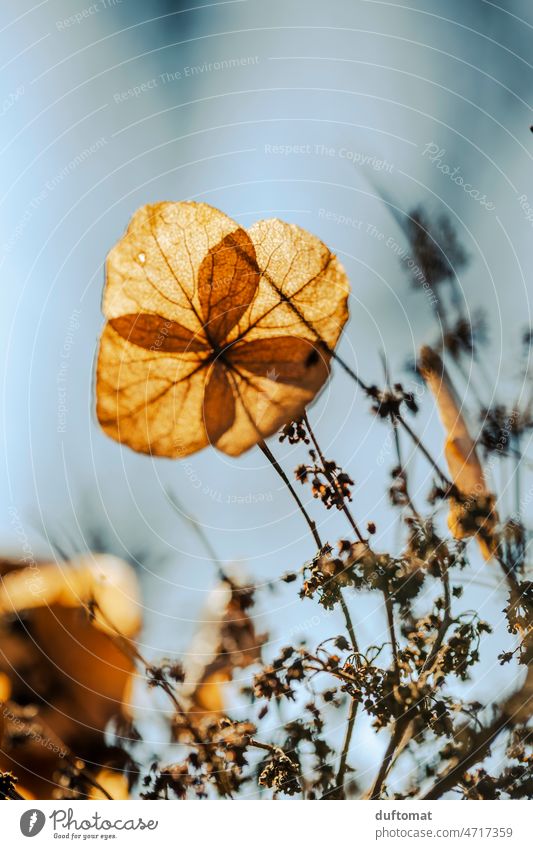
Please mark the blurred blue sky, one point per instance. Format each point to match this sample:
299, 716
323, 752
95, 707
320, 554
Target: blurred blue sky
297, 109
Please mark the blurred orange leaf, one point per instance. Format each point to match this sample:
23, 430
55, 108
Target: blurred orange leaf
474, 513
68, 665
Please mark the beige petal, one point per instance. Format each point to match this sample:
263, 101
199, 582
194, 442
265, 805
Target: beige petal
303, 289
262, 406
219, 404
227, 281
158, 334
154, 267
284, 359
150, 401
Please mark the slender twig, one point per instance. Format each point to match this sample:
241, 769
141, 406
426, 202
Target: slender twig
403, 470
403, 734
349, 624
392, 631
395, 740
517, 477
418, 442
316, 536
389, 607
131, 651
400, 731
339, 781
400, 418
333, 482
401, 724
268, 747
201, 534
445, 624
397, 444
477, 751
347, 512
344, 365
270, 457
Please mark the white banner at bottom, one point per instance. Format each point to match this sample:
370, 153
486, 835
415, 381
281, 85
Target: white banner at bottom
262, 825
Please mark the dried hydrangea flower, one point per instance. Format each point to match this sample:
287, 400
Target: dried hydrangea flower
214, 334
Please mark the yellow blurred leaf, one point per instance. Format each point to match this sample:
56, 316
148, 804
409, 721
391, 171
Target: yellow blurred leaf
474, 514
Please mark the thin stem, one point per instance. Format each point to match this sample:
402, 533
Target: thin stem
268, 747
445, 624
201, 534
270, 457
397, 443
402, 724
131, 651
349, 624
416, 439
517, 477
478, 750
395, 740
403, 470
348, 369
346, 748
400, 418
392, 632
312, 526
333, 482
